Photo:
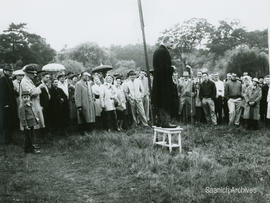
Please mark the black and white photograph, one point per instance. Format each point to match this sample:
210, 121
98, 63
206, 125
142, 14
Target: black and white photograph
134, 101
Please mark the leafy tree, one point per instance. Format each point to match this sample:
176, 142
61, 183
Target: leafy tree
187, 37
88, 54
248, 60
19, 47
257, 39
72, 66
133, 52
124, 66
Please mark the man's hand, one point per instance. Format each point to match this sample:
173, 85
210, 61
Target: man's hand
26, 128
6, 106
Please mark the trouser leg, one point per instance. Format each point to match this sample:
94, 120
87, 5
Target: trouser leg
133, 112
28, 140
238, 112
146, 106
141, 111
206, 110
213, 117
231, 107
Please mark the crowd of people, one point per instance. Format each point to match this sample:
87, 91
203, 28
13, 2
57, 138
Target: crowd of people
52, 103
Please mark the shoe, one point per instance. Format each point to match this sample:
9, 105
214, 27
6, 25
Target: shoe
35, 146
35, 151
168, 126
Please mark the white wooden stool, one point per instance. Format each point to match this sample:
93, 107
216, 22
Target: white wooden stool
168, 132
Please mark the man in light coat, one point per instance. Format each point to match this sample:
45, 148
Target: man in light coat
84, 101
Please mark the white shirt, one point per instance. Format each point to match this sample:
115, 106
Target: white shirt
107, 97
64, 87
220, 88
144, 81
135, 89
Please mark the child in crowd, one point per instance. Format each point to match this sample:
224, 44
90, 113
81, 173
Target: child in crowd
29, 121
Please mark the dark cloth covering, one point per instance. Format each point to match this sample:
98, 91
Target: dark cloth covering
59, 108
8, 115
263, 102
162, 93
45, 103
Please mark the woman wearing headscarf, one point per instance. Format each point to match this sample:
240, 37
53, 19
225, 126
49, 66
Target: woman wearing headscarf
252, 106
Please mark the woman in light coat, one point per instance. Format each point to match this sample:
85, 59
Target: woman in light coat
84, 102
252, 104
109, 102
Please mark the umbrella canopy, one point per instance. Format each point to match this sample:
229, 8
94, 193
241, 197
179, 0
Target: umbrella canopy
18, 72
53, 67
102, 68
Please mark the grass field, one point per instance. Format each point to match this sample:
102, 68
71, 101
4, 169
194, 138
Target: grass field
125, 167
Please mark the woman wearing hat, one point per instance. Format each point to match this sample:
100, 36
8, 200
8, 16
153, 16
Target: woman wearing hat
252, 104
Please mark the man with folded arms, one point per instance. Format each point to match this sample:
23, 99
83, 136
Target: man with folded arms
233, 90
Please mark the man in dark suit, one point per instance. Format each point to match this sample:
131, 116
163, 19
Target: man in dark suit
8, 107
45, 99
163, 86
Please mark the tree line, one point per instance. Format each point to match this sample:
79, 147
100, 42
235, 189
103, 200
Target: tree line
226, 47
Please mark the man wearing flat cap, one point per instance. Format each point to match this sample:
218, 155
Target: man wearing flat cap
162, 93
135, 93
27, 84
8, 107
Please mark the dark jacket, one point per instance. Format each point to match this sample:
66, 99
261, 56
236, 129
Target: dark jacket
163, 89
8, 106
208, 90
45, 104
27, 115
263, 102
59, 108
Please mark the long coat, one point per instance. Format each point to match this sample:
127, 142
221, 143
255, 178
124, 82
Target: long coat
84, 99
268, 104
263, 103
252, 95
59, 108
162, 93
45, 103
71, 103
28, 85
8, 106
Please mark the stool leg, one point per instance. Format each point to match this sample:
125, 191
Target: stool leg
180, 142
163, 139
155, 137
170, 141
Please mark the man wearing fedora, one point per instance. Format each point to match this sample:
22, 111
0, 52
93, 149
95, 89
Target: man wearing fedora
8, 106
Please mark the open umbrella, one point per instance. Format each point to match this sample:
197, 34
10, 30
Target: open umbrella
18, 72
53, 67
102, 68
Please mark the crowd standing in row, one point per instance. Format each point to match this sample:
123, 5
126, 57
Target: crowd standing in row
54, 102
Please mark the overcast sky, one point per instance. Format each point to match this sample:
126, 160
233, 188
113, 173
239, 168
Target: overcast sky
70, 22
